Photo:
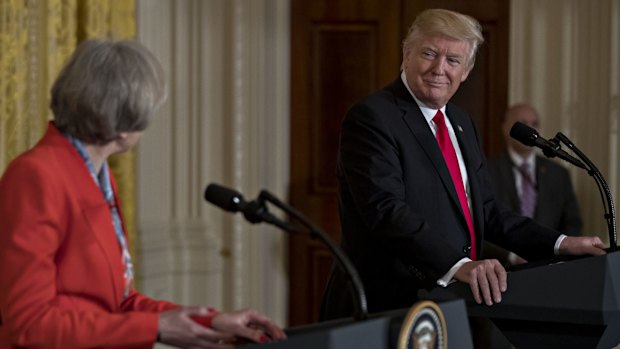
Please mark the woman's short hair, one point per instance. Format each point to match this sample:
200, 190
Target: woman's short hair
449, 23
107, 87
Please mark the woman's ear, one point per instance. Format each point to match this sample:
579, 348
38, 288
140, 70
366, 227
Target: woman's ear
121, 140
126, 140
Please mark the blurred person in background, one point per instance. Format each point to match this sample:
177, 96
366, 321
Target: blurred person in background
531, 185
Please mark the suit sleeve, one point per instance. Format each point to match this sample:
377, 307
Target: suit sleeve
570, 223
139, 302
34, 314
514, 232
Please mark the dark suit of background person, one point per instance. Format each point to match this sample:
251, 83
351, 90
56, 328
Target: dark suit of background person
402, 224
556, 204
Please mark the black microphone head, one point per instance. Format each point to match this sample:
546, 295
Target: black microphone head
226, 198
524, 134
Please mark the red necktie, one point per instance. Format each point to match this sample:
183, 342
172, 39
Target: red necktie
449, 155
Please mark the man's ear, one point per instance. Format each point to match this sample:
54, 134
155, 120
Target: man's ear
406, 52
466, 74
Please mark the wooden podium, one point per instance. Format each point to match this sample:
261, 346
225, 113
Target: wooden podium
570, 303
380, 331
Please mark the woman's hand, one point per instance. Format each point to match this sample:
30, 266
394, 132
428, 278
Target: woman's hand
248, 324
177, 328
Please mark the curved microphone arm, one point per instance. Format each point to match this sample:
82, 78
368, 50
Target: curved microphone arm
361, 303
610, 214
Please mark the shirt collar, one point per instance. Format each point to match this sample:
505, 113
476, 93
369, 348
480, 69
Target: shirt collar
429, 113
102, 179
518, 160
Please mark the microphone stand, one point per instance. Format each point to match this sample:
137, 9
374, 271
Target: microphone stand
603, 188
343, 261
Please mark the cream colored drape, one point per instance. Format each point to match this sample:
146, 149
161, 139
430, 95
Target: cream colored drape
36, 37
564, 60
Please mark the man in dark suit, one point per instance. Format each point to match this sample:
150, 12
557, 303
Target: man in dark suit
415, 197
531, 185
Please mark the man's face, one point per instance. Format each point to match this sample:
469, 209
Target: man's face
435, 66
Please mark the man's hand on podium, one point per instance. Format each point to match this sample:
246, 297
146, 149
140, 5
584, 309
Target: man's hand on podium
580, 245
486, 279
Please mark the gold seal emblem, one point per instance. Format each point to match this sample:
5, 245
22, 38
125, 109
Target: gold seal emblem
424, 327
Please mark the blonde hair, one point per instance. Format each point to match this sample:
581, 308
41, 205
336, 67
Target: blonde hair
449, 23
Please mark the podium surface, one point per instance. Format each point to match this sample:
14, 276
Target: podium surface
567, 304
380, 331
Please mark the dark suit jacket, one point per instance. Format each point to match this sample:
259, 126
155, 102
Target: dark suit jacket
402, 225
556, 205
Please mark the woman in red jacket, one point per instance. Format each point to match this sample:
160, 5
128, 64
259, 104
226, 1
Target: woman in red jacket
65, 270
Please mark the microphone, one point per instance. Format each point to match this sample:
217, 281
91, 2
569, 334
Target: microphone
256, 211
603, 188
550, 148
232, 201
225, 198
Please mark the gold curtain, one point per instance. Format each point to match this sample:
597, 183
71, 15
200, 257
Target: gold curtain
36, 37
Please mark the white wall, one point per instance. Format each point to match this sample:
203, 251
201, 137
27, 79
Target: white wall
226, 121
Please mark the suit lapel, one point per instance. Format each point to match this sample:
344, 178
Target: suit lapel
466, 137
95, 210
414, 119
97, 214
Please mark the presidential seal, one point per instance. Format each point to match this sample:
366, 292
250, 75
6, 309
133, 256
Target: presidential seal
424, 327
